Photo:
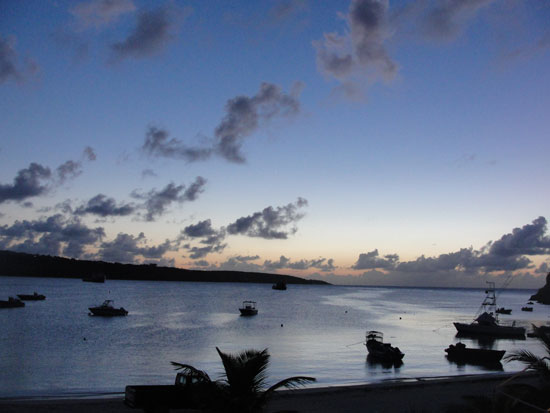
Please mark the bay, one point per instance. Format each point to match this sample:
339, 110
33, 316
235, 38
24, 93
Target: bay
54, 348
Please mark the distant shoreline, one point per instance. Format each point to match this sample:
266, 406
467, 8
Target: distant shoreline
18, 264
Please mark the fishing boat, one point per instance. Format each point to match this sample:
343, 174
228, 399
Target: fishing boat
248, 308
31, 297
487, 322
459, 352
11, 303
279, 285
381, 351
107, 310
503, 310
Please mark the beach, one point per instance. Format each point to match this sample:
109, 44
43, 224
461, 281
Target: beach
428, 394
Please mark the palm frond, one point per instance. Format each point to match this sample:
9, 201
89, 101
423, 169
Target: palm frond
189, 370
245, 372
532, 361
542, 336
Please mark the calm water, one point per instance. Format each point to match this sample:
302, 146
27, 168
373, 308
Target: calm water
53, 347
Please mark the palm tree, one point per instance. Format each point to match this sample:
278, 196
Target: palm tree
243, 387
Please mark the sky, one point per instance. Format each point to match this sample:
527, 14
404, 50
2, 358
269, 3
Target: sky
362, 142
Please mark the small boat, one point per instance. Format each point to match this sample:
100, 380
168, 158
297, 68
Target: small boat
487, 323
107, 310
279, 285
503, 310
383, 352
248, 308
530, 303
11, 303
526, 308
95, 278
31, 297
461, 353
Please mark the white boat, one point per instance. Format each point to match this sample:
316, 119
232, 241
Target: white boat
107, 310
248, 308
487, 322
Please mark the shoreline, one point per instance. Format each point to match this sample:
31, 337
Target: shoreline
426, 394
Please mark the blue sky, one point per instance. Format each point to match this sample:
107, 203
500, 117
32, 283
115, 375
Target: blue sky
359, 142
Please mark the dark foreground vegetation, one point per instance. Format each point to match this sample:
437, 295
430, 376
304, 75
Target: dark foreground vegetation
18, 264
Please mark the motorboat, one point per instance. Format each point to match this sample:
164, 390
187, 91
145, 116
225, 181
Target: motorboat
279, 285
460, 353
527, 308
31, 297
487, 323
11, 303
107, 310
248, 308
380, 351
503, 310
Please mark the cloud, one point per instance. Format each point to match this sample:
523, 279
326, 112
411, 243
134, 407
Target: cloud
361, 52
103, 206
156, 202
243, 116
284, 9
371, 260
99, 13
126, 248
285, 263
211, 239
270, 223
89, 154
10, 68
157, 144
154, 30
29, 182
53, 235
68, 170
445, 19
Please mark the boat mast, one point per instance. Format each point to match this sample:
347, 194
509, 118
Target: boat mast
490, 302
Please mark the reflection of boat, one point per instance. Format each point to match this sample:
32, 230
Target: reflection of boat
95, 278
248, 308
279, 285
381, 351
461, 353
503, 310
526, 308
107, 310
31, 297
11, 303
487, 323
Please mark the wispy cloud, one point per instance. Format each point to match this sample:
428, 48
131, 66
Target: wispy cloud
99, 13
11, 67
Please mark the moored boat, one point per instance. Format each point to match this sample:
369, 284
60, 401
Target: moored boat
31, 297
107, 310
279, 285
381, 351
503, 310
459, 352
487, 323
248, 308
11, 303
527, 308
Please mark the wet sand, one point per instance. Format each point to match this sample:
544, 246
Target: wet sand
434, 394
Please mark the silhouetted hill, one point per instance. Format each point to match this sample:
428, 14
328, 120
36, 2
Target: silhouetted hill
31, 265
543, 294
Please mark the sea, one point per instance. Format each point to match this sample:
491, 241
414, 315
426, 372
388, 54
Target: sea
54, 348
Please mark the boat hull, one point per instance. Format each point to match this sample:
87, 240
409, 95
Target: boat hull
106, 312
31, 297
474, 355
384, 352
489, 330
12, 304
248, 311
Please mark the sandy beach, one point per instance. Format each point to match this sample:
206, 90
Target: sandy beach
430, 394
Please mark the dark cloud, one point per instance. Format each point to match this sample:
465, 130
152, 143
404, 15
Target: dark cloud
53, 235
68, 170
361, 51
210, 238
154, 30
8, 61
89, 154
371, 260
157, 201
158, 144
201, 252
445, 19
148, 173
29, 182
270, 223
527, 240
103, 206
126, 248
201, 229
285, 263
243, 117
98, 13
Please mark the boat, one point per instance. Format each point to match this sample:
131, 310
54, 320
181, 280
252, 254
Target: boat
279, 285
380, 351
526, 308
95, 278
503, 310
487, 323
107, 310
248, 308
31, 297
459, 352
11, 303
